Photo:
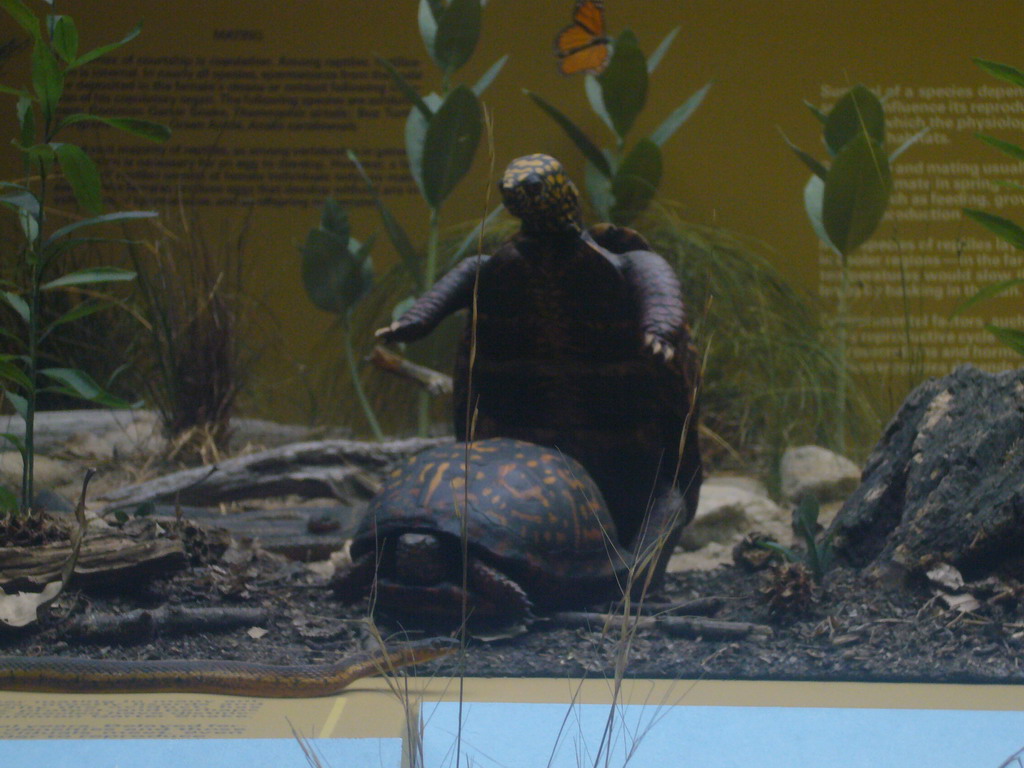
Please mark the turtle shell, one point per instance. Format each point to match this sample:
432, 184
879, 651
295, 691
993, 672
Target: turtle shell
530, 512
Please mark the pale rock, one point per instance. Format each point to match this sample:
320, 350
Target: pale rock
137, 434
48, 473
811, 469
727, 511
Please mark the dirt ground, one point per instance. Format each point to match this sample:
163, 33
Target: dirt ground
846, 629
849, 630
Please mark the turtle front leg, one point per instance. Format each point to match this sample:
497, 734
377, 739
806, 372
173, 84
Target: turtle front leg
494, 593
657, 539
357, 579
660, 300
451, 293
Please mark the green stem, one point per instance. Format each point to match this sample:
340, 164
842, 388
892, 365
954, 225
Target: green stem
429, 276
842, 318
357, 383
36, 269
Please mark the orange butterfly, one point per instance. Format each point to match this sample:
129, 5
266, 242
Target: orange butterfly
583, 45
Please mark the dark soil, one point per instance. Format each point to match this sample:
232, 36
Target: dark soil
849, 630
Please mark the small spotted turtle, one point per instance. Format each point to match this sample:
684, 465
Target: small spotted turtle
581, 344
535, 528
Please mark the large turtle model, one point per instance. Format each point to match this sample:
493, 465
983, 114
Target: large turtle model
581, 343
531, 523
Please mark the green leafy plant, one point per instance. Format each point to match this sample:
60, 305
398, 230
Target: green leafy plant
54, 56
846, 200
337, 272
819, 553
1001, 227
621, 183
442, 133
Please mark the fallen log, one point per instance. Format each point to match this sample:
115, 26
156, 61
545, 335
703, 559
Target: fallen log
346, 470
106, 557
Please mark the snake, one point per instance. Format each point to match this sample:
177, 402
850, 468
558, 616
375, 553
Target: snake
57, 674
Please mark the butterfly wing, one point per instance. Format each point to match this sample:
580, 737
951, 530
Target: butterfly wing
582, 46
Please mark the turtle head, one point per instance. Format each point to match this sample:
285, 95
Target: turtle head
536, 191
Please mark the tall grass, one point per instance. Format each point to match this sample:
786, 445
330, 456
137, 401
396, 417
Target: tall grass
771, 378
190, 361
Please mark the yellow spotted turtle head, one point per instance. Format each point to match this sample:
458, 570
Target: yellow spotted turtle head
536, 191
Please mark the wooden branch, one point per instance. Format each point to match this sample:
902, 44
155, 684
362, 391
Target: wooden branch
701, 606
696, 627
434, 382
342, 469
140, 626
105, 557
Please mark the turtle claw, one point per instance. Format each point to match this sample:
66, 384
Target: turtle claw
661, 350
386, 332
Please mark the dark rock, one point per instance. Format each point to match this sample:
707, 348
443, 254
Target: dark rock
945, 483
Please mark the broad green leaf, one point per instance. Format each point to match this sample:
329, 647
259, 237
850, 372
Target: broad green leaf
986, 293
1002, 71
579, 138
1010, 337
334, 219
15, 92
29, 224
90, 276
907, 144
814, 196
27, 121
822, 117
592, 88
416, 135
1004, 229
856, 193
79, 384
77, 312
83, 176
1013, 150
13, 438
20, 405
450, 143
405, 87
25, 18
22, 200
636, 182
335, 277
488, 77
13, 373
106, 218
817, 168
857, 109
63, 37
143, 128
396, 234
624, 83
47, 79
18, 304
94, 54
679, 116
427, 15
659, 53
458, 31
